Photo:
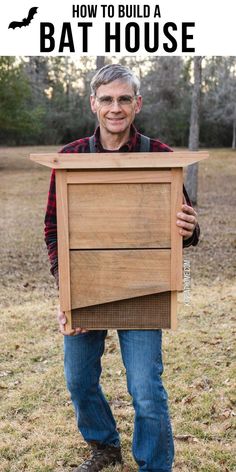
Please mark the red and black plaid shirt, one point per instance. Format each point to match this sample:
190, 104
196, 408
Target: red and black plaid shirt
82, 145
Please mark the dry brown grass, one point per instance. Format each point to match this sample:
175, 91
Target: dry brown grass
38, 430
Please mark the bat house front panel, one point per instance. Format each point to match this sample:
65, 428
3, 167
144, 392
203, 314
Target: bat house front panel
119, 215
101, 276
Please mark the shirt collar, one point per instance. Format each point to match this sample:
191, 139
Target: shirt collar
129, 146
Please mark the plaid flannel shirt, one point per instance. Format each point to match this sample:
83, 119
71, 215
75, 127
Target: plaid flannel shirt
82, 145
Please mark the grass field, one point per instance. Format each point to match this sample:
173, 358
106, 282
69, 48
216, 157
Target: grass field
38, 431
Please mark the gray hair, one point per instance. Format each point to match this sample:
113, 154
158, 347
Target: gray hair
112, 72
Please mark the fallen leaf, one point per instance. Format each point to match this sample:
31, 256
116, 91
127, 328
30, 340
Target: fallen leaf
188, 399
111, 348
186, 438
227, 413
211, 343
3, 387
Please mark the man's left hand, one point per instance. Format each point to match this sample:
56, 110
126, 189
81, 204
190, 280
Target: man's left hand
186, 221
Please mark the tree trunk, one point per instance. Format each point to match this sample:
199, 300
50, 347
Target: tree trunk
192, 172
100, 62
234, 129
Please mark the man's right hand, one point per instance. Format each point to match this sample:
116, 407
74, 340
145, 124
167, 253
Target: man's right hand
61, 317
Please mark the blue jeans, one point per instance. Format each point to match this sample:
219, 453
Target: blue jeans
153, 447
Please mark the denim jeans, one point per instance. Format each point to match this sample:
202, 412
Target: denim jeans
153, 447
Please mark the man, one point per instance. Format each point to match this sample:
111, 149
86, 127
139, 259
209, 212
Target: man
115, 99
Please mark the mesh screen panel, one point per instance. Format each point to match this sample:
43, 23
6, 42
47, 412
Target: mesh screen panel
147, 312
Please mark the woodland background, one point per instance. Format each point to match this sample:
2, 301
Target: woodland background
44, 100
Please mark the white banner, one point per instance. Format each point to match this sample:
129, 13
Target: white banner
170, 27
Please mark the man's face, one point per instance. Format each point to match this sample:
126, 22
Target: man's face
116, 106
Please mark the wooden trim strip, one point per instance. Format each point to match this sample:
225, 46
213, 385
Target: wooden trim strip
63, 244
173, 310
176, 238
117, 176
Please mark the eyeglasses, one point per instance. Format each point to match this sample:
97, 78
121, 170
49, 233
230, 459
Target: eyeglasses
123, 100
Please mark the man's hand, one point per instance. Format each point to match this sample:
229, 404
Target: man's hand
187, 221
61, 317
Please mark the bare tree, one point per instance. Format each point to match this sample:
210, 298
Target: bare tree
219, 78
166, 107
234, 129
100, 62
192, 172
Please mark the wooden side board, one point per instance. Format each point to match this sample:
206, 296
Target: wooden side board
173, 309
63, 243
176, 238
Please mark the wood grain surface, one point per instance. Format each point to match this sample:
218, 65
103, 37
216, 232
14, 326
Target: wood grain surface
100, 276
119, 215
119, 160
63, 241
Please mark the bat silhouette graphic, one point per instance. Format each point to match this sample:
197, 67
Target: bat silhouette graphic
25, 21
